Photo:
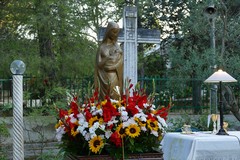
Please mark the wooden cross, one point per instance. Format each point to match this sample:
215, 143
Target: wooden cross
130, 35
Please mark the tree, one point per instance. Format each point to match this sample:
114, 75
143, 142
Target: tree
53, 36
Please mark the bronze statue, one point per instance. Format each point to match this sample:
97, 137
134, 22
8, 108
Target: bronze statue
109, 64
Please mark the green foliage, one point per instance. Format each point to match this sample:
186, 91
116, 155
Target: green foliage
3, 135
51, 156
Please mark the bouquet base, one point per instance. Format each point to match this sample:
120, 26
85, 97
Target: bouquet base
140, 156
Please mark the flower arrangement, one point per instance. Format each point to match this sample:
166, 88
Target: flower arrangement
131, 124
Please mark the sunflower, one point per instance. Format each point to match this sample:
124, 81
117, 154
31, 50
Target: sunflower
121, 130
133, 130
152, 124
95, 144
93, 120
141, 123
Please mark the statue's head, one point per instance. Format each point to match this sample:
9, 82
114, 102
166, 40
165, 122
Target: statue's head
112, 31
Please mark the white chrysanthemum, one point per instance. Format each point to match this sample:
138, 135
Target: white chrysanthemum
80, 116
112, 121
102, 127
59, 132
143, 128
80, 129
99, 111
128, 122
72, 118
155, 133
93, 109
96, 125
145, 105
121, 109
124, 116
92, 130
92, 135
108, 134
87, 136
84, 132
141, 116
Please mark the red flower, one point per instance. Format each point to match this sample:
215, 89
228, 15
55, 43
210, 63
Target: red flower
109, 111
116, 139
62, 113
151, 117
88, 115
74, 107
163, 112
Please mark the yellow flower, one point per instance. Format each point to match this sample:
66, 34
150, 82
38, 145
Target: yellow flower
93, 120
121, 130
60, 123
74, 131
96, 144
152, 125
104, 102
133, 130
141, 123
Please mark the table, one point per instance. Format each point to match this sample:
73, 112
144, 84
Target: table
201, 146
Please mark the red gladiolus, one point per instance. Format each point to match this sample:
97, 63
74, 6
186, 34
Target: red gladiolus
116, 139
88, 115
109, 111
74, 108
131, 108
163, 112
62, 113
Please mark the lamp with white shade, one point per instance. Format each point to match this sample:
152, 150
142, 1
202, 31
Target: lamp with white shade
220, 77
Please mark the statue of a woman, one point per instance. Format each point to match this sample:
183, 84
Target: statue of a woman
109, 64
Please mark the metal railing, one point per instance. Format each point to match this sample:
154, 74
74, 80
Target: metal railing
184, 93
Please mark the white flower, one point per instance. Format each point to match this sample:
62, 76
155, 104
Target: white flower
84, 133
99, 111
143, 128
87, 136
92, 130
128, 122
124, 116
153, 106
162, 121
81, 129
59, 132
108, 134
141, 116
102, 127
72, 118
92, 135
112, 121
80, 116
155, 133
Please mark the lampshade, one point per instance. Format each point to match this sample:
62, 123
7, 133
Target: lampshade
220, 76
17, 67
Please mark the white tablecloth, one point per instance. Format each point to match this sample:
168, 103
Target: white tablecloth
201, 146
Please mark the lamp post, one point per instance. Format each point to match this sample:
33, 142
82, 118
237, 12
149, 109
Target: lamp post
219, 77
210, 12
17, 68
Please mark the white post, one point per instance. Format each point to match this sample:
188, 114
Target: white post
18, 140
18, 68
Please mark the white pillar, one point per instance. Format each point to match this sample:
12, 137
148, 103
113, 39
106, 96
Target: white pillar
18, 140
17, 68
